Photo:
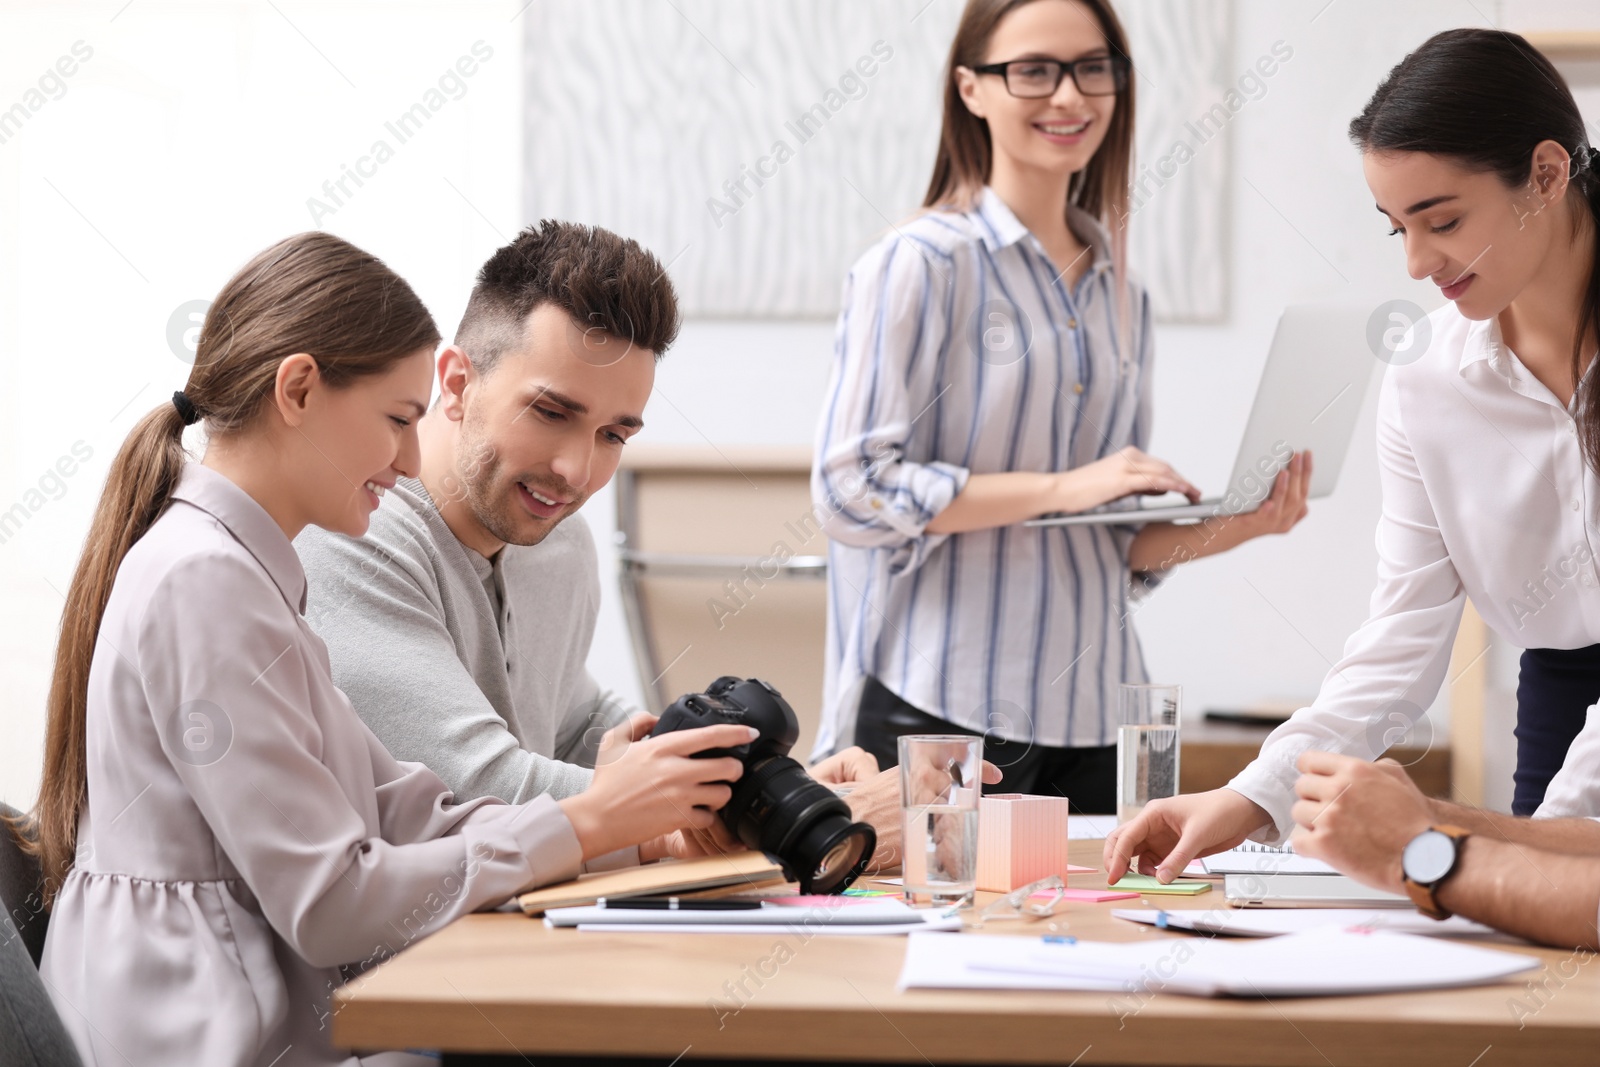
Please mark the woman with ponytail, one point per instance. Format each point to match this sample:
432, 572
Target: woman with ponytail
222, 838
1488, 442
994, 364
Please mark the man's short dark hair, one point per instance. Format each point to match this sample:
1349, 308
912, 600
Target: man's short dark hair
603, 281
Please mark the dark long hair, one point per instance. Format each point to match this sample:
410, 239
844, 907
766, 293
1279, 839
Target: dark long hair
312, 293
961, 166
1486, 99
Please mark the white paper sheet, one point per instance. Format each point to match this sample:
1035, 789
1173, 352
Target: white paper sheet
1089, 827
1323, 962
1273, 922
932, 920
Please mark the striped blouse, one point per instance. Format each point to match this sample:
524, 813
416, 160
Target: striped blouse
961, 351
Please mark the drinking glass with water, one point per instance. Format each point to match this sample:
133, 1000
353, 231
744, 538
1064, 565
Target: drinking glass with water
940, 781
1147, 746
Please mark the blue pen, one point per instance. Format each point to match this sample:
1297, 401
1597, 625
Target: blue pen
1161, 920
1058, 939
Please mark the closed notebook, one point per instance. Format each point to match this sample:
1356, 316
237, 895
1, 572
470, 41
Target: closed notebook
742, 870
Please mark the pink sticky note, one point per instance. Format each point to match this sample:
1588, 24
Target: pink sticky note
816, 901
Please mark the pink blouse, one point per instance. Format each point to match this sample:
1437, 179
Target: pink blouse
247, 844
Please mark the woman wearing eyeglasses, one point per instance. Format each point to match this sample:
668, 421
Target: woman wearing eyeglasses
992, 365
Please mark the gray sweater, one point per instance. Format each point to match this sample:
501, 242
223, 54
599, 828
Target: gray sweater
475, 668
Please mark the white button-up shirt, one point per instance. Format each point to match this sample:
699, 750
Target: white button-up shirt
1574, 793
1485, 495
961, 350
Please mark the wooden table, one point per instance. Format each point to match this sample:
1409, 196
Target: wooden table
499, 984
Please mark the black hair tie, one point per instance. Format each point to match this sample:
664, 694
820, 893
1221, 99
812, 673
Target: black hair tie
186, 409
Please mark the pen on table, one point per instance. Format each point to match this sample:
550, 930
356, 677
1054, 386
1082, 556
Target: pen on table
680, 904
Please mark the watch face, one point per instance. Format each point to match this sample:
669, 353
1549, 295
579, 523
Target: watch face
1428, 857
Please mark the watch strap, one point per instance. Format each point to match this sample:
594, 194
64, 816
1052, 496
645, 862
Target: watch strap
1425, 896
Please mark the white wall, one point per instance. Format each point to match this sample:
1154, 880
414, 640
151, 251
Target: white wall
196, 133
191, 139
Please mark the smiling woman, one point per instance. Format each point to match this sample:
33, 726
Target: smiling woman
1477, 154
993, 364
1488, 438
219, 832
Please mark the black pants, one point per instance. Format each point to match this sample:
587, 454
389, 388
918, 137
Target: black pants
1085, 776
1554, 690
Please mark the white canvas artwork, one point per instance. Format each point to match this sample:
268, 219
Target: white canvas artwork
758, 149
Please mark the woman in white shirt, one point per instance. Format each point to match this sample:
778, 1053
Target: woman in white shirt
993, 364
223, 840
1488, 442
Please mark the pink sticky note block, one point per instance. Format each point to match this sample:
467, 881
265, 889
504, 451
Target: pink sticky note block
1021, 839
818, 901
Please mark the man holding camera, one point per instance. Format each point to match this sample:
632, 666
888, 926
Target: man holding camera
460, 626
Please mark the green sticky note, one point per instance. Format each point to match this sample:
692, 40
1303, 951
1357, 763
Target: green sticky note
1145, 883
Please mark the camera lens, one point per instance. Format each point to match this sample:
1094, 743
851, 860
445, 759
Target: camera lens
779, 808
845, 850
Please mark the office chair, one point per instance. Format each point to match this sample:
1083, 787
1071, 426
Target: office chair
31, 1034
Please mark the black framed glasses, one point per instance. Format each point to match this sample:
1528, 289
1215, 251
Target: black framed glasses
1035, 78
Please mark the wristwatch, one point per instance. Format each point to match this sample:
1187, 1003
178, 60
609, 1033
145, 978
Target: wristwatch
1428, 859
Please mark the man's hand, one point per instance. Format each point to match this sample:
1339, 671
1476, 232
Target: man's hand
853, 764
689, 843
876, 802
1358, 816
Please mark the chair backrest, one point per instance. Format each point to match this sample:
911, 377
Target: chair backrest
723, 568
31, 1034
22, 888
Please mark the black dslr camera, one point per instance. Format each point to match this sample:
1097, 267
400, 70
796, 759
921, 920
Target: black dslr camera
776, 806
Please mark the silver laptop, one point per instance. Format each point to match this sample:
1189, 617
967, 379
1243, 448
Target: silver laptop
1306, 891
1310, 394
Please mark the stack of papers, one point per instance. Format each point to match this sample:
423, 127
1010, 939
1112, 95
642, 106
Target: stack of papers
848, 916
1276, 922
1325, 962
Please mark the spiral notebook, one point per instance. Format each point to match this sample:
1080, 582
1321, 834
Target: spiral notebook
1253, 858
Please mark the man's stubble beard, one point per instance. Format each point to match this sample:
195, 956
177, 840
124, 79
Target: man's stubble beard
492, 497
